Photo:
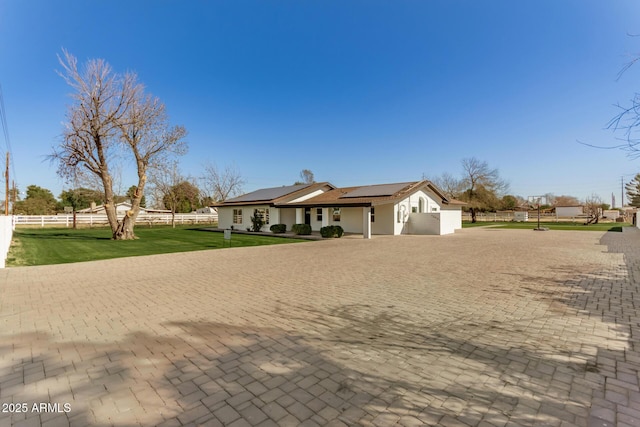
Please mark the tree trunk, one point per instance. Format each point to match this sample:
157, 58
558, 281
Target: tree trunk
125, 228
473, 215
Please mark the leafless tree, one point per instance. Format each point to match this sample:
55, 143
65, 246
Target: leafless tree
593, 208
222, 184
306, 177
478, 179
110, 118
448, 183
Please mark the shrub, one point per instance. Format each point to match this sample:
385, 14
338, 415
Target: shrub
302, 229
331, 231
278, 228
256, 223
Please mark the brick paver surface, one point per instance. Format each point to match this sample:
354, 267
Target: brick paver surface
486, 327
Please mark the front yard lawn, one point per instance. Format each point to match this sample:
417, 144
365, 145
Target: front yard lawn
42, 246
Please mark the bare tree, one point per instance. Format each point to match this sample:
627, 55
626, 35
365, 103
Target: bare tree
480, 180
593, 208
448, 183
222, 184
111, 116
306, 177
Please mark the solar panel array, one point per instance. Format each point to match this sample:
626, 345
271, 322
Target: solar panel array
376, 190
267, 193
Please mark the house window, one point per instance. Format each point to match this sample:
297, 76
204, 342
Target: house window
399, 216
434, 209
414, 209
237, 216
336, 214
373, 214
263, 214
319, 214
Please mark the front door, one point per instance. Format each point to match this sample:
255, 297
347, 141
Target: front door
307, 216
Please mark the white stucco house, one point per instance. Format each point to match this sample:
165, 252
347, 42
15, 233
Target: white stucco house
401, 208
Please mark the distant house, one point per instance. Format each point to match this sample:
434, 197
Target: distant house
401, 208
121, 208
569, 211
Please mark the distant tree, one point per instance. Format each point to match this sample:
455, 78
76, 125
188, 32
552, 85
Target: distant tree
173, 190
593, 208
566, 201
80, 198
219, 184
451, 185
482, 185
633, 191
508, 202
131, 194
306, 177
39, 201
111, 117
184, 197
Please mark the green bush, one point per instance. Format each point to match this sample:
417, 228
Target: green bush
302, 229
331, 231
278, 228
256, 223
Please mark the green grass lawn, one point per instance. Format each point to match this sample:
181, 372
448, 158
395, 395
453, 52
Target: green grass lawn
42, 246
550, 225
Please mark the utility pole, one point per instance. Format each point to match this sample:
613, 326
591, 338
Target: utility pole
6, 194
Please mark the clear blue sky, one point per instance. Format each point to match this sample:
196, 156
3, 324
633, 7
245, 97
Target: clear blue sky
360, 92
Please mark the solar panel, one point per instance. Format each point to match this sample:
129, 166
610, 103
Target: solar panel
267, 193
376, 190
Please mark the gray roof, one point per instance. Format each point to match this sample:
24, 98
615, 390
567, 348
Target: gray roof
376, 190
267, 194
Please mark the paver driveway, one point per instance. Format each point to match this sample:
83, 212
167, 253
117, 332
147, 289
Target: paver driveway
485, 327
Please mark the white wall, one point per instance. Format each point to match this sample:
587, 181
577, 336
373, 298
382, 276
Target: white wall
424, 223
569, 211
6, 232
450, 220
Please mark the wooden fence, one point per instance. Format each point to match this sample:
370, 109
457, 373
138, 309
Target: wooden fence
91, 220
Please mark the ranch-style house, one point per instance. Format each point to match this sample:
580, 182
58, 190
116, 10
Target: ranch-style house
402, 208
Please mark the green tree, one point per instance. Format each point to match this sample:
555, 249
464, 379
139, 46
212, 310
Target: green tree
482, 185
184, 197
39, 201
131, 195
633, 191
80, 198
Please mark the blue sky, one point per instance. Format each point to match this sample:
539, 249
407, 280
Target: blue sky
360, 92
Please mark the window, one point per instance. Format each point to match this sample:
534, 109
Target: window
421, 203
373, 214
237, 216
262, 213
336, 214
319, 214
414, 209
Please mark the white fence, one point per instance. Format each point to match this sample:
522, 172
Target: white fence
90, 220
6, 232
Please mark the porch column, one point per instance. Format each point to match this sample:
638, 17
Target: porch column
366, 222
325, 217
299, 215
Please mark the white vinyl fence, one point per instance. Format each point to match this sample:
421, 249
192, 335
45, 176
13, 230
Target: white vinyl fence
84, 220
6, 232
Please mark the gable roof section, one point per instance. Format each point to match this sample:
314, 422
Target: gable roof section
371, 195
367, 195
275, 195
